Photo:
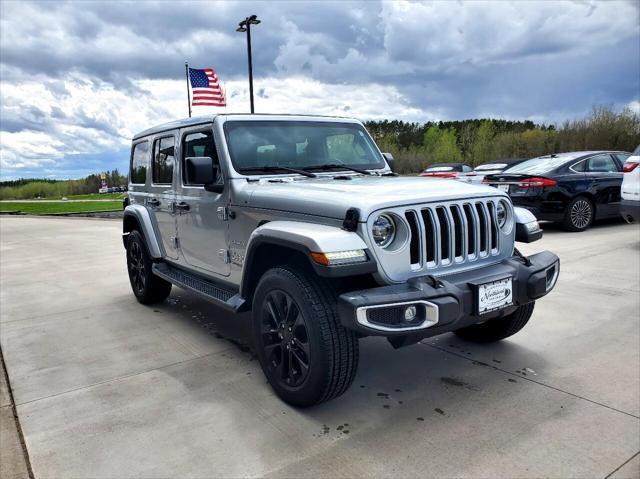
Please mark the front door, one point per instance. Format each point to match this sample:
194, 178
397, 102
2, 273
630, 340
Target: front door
200, 214
163, 192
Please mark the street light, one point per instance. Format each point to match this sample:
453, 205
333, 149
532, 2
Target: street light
245, 26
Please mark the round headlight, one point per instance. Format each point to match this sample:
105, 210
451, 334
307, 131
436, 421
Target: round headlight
383, 230
502, 213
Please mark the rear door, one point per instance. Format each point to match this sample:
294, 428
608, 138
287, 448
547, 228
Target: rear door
163, 191
604, 175
201, 215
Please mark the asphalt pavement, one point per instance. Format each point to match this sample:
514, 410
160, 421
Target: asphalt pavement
107, 388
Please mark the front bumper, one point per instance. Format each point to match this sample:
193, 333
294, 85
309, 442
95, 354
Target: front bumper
630, 210
447, 302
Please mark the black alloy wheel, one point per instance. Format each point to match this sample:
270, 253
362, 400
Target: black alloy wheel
136, 268
285, 339
147, 287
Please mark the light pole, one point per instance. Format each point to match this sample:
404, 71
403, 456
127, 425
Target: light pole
245, 26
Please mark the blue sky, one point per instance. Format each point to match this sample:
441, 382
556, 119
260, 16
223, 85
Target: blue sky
79, 79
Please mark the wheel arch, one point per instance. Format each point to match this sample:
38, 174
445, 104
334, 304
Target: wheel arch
290, 243
136, 217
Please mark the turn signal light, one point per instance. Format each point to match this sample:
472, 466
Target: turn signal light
629, 166
536, 182
340, 258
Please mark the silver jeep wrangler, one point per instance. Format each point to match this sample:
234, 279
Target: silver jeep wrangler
302, 221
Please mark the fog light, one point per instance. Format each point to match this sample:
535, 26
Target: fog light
410, 313
552, 276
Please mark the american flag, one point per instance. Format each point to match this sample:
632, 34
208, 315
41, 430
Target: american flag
205, 87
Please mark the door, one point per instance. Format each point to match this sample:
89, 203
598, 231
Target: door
163, 193
201, 215
604, 176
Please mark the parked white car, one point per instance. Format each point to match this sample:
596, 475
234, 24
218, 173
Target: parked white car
479, 172
630, 204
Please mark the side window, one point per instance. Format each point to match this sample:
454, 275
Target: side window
602, 164
139, 163
622, 157
580, 166
466, 168
163, 160
198, 144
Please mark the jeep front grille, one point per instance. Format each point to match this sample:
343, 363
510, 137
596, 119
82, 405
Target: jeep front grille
443, 235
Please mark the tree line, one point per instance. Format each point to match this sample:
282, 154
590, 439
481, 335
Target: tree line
46, 188
478, 141
415, 146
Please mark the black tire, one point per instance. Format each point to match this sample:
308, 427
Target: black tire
579, 214
147, 287
298, 310
500, 328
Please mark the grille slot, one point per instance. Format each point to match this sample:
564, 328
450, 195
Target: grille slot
445, 234
472, 226
458, 232
414, 246
455, 233
430, 235
494, 226
483, 227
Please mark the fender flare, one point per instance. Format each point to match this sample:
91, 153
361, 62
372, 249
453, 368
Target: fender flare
143, 218
307, 238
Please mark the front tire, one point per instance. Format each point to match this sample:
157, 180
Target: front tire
500, 328
579, 214
307, 356
147, 287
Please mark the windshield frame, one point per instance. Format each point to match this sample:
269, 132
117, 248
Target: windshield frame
229, 125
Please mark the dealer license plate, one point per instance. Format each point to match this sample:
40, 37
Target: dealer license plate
504, 188
495, 295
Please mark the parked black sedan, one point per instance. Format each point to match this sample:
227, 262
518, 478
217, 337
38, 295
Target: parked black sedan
572, 188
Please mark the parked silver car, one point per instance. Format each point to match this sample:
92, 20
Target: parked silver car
301, 221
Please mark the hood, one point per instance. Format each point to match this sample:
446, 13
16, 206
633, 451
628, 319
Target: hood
325, 196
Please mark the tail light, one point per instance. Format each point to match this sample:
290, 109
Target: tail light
536, 182
629, 166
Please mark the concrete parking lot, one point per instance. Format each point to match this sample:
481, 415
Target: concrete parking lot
107, 388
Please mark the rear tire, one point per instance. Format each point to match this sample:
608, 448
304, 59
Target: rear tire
579, 214
307, 356
147, 287
500, 328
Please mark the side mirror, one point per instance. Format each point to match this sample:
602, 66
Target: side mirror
390, 161
527, 227
202, 171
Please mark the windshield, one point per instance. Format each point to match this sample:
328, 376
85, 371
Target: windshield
299, 144
493, 166
542, 164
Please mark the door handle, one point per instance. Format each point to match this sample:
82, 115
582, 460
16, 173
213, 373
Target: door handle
153, 202
182, 206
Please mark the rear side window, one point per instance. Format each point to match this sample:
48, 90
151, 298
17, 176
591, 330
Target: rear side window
622, 157
580, 166
602, 164
197, 144
163, 160
139, 163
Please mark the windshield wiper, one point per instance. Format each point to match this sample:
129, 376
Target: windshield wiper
333, 166
277, 168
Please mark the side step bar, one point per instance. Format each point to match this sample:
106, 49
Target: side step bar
217, 293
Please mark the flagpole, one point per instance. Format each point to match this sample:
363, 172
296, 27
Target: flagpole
186, 71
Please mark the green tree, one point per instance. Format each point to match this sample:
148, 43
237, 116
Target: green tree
482, 150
